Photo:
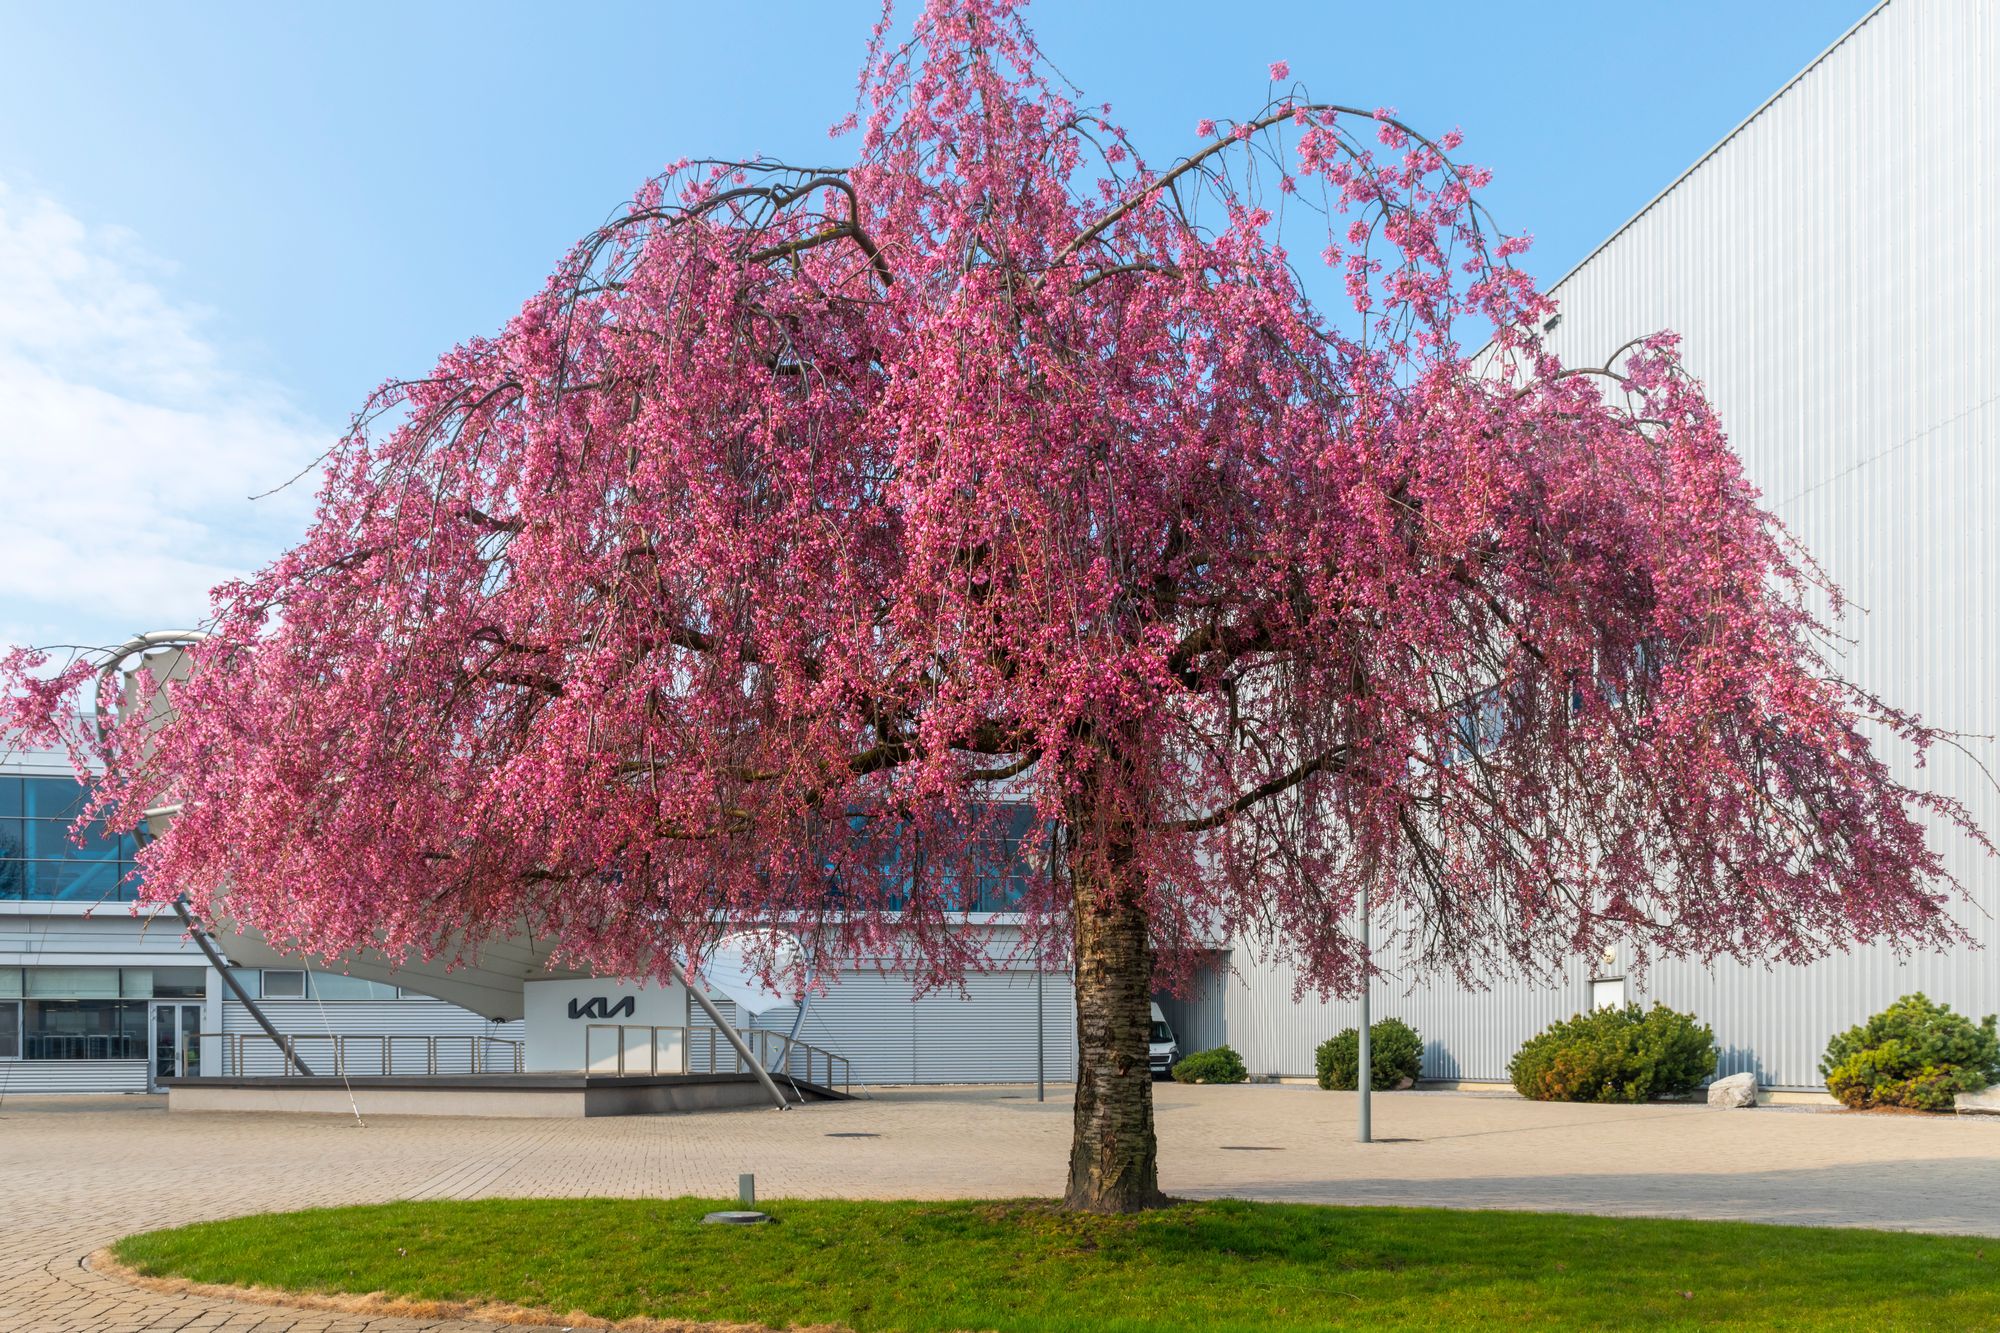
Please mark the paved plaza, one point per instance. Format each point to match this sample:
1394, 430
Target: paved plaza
77, 1173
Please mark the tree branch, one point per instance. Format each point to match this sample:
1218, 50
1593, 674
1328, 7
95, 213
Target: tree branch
1328, 761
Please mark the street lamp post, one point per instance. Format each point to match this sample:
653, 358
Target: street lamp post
1041, 1043
1365, 1070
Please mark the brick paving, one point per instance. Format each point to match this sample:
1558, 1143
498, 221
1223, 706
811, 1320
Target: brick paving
76, 1173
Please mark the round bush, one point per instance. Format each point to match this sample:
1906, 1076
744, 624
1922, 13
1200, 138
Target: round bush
1615, 1055
1220, 1065
1915, 1053
1395, 1057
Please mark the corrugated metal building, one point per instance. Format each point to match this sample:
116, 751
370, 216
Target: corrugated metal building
1833, 267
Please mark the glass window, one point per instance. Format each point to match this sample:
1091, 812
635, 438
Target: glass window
10, 983
38, 860
1003, 868
77, 983
250, 979
135, 983
10, 1029
73, 881
186, 983
52, 798
284, 985
83, 1029
50, 840
334, 986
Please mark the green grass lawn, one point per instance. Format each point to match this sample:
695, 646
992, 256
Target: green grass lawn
1022, 1265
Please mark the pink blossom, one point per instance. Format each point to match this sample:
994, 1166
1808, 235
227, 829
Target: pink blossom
1280, 71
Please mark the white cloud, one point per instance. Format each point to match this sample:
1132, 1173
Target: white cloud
128, 446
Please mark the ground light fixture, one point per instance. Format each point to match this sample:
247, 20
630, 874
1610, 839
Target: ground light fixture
746, 1216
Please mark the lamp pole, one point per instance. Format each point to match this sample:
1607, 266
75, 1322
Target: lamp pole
1365, 1071
1041, 1044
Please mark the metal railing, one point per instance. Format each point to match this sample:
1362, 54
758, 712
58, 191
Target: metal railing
633, 1048
367, 1054
83, 1046
636, 1048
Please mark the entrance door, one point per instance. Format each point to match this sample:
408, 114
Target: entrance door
176, 1041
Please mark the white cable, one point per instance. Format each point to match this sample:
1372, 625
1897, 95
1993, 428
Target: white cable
326, 1024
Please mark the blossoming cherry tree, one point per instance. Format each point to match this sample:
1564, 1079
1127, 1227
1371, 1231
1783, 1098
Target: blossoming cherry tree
810, 523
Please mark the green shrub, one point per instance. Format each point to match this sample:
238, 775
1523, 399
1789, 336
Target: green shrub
1615, 1055
1395, 1057
1914, 1053
1220, 1065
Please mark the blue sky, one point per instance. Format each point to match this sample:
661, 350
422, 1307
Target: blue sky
220, 225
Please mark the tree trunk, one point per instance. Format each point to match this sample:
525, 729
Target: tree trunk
1113, 1157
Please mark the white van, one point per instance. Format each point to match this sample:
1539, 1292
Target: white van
1166, 1051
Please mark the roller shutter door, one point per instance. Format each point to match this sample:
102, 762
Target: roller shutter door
987, 1035
867, 1018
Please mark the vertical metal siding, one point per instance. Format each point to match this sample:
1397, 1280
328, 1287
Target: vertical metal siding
987, 1035
1833, 268
890, 1034
74, 1076
1834, 272
870, 1020
1468, 1034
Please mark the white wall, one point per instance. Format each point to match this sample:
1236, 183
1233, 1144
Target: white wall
560, 1014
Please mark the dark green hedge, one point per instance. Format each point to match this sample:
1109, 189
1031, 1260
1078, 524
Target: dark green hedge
1220, 1065
1395, 1053
1616, 1055
1916, 1053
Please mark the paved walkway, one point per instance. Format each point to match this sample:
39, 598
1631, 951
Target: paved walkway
77, 1173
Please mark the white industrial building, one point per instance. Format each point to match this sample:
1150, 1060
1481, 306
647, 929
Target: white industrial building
1834, 268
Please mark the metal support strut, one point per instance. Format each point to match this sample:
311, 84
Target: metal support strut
735, 1038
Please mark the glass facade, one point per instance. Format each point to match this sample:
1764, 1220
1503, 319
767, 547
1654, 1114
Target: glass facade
39, 862
275, 983
1000, 873
86, 1013
83, 1029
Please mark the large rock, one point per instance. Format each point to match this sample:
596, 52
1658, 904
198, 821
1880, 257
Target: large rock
1734, 1091
1984, 1102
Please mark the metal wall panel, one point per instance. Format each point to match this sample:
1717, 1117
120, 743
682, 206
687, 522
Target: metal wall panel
890, 1034
1468, 1034
75, 1076
1833, 271
987, 1035
868, 1019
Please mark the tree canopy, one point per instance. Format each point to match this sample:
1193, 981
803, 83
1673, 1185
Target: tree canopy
810, 519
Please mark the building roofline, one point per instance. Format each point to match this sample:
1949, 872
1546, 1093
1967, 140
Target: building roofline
1718, 146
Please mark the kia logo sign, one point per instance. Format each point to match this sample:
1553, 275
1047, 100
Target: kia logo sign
599, 1007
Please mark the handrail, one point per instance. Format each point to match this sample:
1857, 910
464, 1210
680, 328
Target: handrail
701, 1053
689, 1050
477, 1055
